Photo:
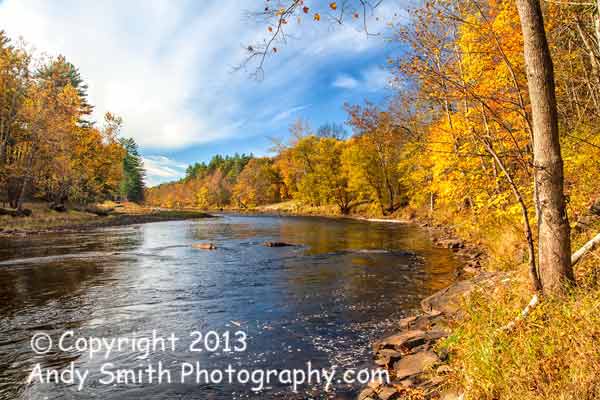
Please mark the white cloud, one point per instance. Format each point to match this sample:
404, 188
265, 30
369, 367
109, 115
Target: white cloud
375, 78
166, 66
345, 81
160, 169
370, 79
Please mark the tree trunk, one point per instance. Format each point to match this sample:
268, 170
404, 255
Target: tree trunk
554, 245
597, 24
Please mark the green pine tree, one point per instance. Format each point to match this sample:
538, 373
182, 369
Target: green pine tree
132, 186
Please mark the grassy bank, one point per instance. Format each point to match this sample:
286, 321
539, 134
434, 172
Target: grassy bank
552, 354
45, 220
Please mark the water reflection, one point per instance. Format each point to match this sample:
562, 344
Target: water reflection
321, 301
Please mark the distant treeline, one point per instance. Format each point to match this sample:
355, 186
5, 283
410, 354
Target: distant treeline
317, 168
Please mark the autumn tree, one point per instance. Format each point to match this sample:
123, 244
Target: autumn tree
257, 184
373, 157
49, 150
14, 80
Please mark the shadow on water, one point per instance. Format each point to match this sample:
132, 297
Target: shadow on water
345, 283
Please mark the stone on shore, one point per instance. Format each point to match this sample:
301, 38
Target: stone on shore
406, 342
450, 300
58, 207
388, 393
367, 394
414, 364
595, 208
16, 213
408, 356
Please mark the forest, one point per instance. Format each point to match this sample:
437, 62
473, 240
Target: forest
51, 149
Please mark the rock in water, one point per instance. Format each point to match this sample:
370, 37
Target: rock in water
204, 246
277, 244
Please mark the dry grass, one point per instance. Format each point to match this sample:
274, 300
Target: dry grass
44, 218
554, 354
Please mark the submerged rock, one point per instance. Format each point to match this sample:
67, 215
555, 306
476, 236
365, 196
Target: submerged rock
277, 244
204, 246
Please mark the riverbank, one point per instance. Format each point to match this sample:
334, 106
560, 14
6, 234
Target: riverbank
432, 356
45, 220
472, 340
414, 357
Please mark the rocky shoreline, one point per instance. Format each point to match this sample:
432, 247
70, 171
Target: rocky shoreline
417, 369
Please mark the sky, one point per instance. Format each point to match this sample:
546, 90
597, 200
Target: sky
168, 68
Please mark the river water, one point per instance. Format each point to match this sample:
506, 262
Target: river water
343, 284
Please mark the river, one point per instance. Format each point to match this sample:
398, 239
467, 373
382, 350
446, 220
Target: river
343, 284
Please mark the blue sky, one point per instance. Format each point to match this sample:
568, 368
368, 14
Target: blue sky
167, 68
